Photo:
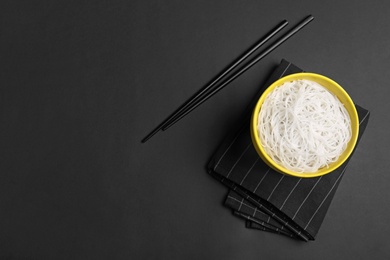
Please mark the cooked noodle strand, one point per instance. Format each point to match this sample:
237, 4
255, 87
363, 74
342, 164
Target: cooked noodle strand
303, 127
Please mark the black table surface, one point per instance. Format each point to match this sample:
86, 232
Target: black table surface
83, 82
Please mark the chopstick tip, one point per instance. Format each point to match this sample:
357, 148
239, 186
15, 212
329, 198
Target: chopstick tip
146, 138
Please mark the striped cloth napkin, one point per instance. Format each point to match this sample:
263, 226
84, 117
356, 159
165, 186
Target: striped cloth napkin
270, 201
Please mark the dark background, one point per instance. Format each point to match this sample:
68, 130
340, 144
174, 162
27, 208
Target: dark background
82, 82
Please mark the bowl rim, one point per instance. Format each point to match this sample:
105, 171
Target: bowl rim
352, 113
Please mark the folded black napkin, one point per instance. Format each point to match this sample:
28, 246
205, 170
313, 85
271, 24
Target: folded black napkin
269, 200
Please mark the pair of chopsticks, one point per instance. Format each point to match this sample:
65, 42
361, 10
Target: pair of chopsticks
212, 88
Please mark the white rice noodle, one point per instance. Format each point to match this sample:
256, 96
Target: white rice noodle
303, 127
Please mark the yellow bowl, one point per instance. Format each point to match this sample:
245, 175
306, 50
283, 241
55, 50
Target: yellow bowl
333, 87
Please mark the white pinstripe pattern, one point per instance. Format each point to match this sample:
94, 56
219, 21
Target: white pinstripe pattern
261, 180
288, 196
241, 202
239, 158
364, 118
275, 187
308, 195
253, 215
284, 71
250, 169
281, 220
261, 223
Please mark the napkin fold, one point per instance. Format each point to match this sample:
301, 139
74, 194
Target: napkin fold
270, 201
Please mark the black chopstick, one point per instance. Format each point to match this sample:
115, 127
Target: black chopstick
189, 102
282, 39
